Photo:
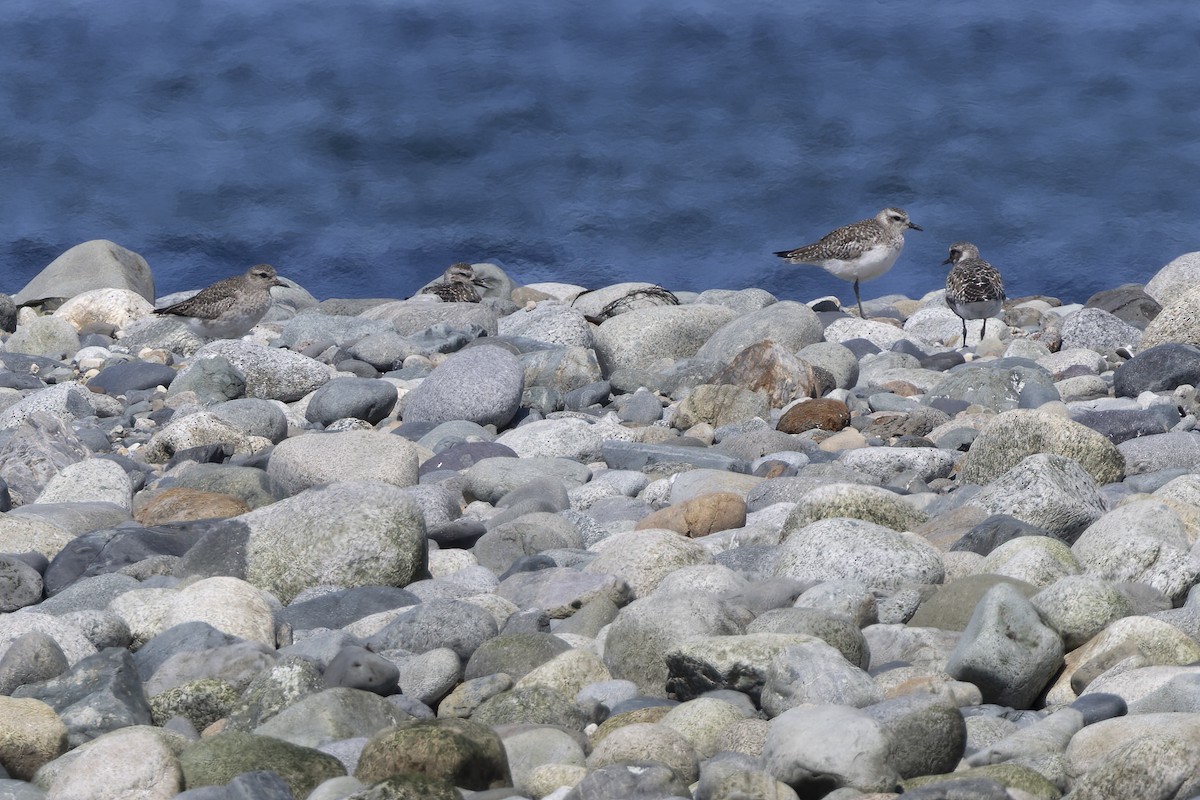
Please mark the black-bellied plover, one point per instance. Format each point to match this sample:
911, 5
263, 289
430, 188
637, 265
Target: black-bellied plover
859, 251
459, 286
974, 289
228, 308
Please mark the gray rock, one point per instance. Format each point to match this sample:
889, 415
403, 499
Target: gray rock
287, 681
359, 398
237, 664
562, 369
1161, 451
37, 451
1010, 437
460, 626
837, 630
812, 748
644, 558
637, 456
213, 380
1098, 330
480, 384
1176, 277
885, 463
100, 693
491, 478
1158, 369
254, 417
350, 533
312, 327
120, 379
743, 301
527, 535
928, 734
789, 324
302, 462
997, 386
47, 337
1120, 425
1158, 764
642, 336
271, 373
832, 549
358, 668
813, 673
65, 402
1176, 322
836, 359
513, 654
1052, 492
629, 781
249, 484
20, 585
649, 627
872, 504
331, 715
96, 264
94, 480
31, 658
1006, 650
1143, 541
551, 323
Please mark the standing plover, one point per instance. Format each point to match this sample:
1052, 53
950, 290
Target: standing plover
859, 251
228, 308
974, 289
459, 286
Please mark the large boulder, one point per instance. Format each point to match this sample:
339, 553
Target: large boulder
98, 264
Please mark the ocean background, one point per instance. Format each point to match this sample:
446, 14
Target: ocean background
361, 146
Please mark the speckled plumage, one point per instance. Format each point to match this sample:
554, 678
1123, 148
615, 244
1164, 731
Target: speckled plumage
859, 251
228, 308
974, 288
459, 286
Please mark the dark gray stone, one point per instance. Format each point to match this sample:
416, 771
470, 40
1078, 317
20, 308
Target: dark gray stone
357, 398
995, 531
358, 668
187, 636
481, 384
20, 584
461, 456
120, 379
513, 654
213, 379
1099, 706
636, 456
1159, 369
462, 627
596, 393
104, 551
929, 735
101, 693
338, 609
960, 789
8, 313
220, 551
550, 493
31, 658
1128, 302
630, 782
1120, 425
254, 416
259, 785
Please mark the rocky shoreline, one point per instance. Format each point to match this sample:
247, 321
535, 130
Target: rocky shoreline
579, 545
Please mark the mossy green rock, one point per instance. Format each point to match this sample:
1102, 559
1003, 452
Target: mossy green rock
463, 752
217, 760
409, 787
202, 702
1011, 775
530, 705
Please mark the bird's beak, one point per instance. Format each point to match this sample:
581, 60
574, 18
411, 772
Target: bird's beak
915, 227
949, 260
479, 282
279, 282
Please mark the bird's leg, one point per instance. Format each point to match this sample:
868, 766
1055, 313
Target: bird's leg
983, 330
861, 313
964, 322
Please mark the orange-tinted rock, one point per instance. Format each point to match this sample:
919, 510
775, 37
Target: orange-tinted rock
825, 414
180, 504
700, 516
771, 369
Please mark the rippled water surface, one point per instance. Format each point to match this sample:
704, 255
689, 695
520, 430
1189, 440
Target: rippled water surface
361, 146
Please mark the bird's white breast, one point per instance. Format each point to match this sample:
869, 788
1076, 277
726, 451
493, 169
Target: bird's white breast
873, 262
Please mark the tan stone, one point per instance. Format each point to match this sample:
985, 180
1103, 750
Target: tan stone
700, 516
823, 413
31, 734
771, 369
181, 504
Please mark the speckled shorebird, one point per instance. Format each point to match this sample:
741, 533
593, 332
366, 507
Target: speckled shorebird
459, 286
228, 308
859, 251
974, 289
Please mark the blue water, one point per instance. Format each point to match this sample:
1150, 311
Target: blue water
363, 145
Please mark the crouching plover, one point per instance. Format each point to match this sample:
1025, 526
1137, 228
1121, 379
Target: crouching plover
459, 286
858, 251
228, 308
974, 289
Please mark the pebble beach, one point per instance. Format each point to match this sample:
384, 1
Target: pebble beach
598, 543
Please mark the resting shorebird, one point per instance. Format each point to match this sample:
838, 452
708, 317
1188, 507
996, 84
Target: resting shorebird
974, 289
859, 251
459, 286
229, 308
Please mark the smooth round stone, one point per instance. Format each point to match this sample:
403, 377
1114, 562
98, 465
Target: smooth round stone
358, 668
1099, 706
254, 417
120, 379
480, 384
302, 462
1158, 369
815, 674
20, 584
1129, 302
360, 398
641, 408
48, 337
1098, 330
31, 658
213, 380
819, 747
271, 373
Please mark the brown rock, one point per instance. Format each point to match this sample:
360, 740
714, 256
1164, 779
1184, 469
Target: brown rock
771, 369
824, 414
700, 516
180, 504
31, 734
